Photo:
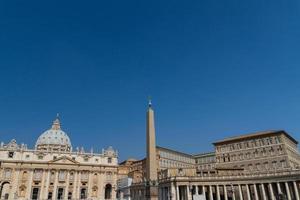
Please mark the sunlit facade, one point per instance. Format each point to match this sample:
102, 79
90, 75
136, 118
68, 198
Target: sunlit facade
53, 170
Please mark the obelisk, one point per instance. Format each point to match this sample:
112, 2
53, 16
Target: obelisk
151, 162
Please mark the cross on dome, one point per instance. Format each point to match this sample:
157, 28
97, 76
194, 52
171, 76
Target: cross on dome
56, 123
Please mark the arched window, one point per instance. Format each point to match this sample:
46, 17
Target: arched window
108, 190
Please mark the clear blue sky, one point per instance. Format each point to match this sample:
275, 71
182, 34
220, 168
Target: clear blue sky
214, 69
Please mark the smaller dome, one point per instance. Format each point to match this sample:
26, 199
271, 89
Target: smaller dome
54, 139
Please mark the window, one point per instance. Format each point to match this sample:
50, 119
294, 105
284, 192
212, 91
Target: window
49, 195
27, 156
10, 154
7, 173
266, 164
60, 193
70, 195
71, 175
108, 190
109, 160
37, 174
61, 175
274, 164
40, 157
258, 166
35, 193
83, 193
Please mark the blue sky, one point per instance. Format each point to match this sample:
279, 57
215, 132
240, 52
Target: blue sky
213, 68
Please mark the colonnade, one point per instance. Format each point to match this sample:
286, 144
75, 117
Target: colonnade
231, 191
49, 184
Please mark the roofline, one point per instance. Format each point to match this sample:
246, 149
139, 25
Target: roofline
185, 154
205, 154
253, 135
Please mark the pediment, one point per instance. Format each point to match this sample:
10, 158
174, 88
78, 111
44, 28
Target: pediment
64, 160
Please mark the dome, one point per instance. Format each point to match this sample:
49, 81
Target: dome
54, 139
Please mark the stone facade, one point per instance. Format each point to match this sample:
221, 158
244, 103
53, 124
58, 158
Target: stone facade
263, 151
53, 171
258, 166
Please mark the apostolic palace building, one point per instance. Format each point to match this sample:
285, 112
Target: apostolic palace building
257, 166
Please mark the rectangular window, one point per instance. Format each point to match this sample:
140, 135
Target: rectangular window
35, 194
60, 193
61, 175
10, 154
70, 195
49, 195
83, 193
7, 173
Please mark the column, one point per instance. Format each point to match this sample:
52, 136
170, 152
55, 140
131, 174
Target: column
55, 185
271, 191
46, 185
288, 191
263, 191
296, 190
89, 189
173, 191
43, 182
67, 185
240, 192
233, 192
189, 196
255, 192
225, 192
248, 192
28, 192
218, 192
75, 184
197, 192
14, 184
210, 193
177, 192
77, 189
279, 188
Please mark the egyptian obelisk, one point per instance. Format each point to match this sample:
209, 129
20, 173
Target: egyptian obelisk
151, 162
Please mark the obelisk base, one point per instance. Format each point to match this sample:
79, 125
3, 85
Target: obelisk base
151, 192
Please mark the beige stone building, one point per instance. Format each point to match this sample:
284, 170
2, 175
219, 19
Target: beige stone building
258, 166
53, 170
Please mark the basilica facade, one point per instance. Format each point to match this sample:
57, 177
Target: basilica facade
53, 170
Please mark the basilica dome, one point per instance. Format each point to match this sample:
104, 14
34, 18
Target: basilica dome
54, 139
